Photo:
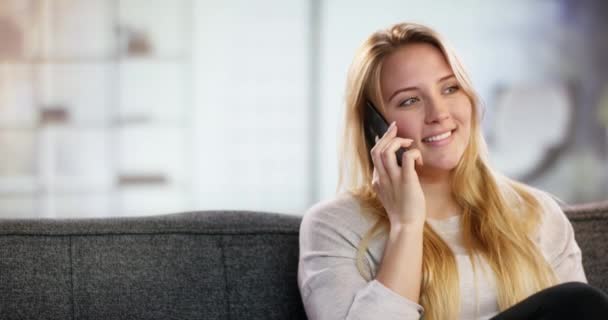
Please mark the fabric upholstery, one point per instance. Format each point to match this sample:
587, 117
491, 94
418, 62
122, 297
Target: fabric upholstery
590, 223
193, 265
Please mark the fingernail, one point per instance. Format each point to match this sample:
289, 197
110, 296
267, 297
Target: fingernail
393, 124
376, 139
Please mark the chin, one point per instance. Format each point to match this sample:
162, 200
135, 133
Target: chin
441, 164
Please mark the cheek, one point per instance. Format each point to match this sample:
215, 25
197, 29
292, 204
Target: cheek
465, 127
407, 129
463, 112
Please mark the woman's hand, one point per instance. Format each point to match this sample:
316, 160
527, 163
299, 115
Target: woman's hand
398, 188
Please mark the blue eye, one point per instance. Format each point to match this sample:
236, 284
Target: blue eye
451, 89
409, 101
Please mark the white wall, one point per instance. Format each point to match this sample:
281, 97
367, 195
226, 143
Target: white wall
251, 105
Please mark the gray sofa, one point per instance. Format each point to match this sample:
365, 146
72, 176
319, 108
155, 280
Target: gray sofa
196, 265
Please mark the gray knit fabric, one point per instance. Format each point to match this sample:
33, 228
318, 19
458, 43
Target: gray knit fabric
200, 265
197, 265
35, 277
590, 224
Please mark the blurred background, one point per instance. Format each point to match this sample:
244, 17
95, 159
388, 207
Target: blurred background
138, 107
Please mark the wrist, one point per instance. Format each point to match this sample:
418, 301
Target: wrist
399, 229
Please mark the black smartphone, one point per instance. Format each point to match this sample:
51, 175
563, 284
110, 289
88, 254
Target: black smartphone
376, 125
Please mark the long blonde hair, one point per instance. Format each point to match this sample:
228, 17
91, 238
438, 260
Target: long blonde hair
499, 215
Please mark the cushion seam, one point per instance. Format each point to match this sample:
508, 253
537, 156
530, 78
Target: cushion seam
226, 283
71, 254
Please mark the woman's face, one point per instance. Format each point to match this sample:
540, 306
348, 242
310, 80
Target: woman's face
422, 95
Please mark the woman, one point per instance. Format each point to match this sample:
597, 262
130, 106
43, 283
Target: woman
441, 235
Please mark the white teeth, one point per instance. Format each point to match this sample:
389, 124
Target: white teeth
438, 137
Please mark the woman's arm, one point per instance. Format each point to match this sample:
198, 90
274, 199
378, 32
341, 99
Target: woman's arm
328, 278
401, 267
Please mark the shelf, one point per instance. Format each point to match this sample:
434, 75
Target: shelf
95, 60
105, 126
20, 206
137, 180
18, 186
134, 122
73, 185
20, 128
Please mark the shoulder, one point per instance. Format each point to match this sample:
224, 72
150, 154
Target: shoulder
335, 205
557, 241
553, 217
549, 203
555, 233
546, 199
553, 220
341, 214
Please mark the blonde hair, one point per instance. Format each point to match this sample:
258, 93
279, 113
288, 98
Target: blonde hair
499, 215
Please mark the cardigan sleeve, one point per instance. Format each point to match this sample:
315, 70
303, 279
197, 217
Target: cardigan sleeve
558, 243
329, 281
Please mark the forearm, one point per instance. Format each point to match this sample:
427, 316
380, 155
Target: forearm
401, 267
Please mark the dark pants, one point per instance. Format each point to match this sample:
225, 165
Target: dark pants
570, 300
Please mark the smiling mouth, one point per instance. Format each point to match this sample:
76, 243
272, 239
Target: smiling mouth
439, 137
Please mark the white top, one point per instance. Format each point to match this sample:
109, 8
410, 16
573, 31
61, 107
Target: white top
332, 288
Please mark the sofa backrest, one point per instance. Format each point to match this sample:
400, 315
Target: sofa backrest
204, 265
590, 223
196, 265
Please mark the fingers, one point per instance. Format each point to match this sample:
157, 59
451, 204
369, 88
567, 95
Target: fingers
409, 161
384, 157
389, 156
375, 179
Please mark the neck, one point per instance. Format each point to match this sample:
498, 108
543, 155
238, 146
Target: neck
440, 203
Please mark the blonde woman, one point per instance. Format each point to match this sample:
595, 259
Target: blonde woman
439, 233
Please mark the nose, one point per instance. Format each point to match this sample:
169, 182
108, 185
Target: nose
436, 111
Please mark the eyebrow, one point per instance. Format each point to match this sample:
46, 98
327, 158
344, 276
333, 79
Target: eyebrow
414, 88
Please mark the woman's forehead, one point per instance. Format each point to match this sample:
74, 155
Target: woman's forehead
413, 65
